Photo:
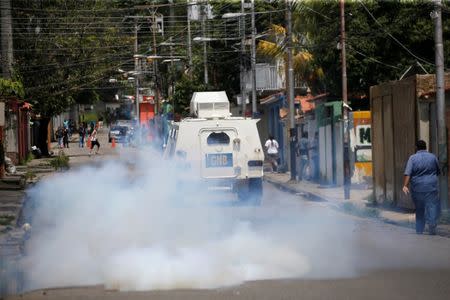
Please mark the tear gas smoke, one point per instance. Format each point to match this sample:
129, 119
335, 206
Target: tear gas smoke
134, 229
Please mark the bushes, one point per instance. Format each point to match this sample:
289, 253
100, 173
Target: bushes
60, 162
30, 175
27, 159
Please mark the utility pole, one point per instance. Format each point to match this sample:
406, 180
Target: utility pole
171, 28
345, 106
6, 39
243, 93
138, 57
154, 28
440, 104
205, 53
290, 91
189, 40
254, 108
136, 68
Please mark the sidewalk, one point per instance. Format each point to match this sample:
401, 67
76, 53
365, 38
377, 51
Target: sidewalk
13, 197
358, 204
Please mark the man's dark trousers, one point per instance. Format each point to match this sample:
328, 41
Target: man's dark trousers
428, 209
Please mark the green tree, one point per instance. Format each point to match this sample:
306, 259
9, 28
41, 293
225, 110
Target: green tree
305, 69
63, 47
184, 89
11, 88
384, 38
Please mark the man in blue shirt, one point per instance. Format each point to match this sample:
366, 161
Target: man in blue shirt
421, 173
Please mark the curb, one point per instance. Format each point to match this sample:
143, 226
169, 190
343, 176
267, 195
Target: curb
310, 196
314, 197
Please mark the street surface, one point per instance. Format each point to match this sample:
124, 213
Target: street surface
288, 248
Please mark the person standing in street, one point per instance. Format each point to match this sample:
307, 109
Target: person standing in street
82, 133
94, 141
59, 137
272, 151
421, 173
66, 137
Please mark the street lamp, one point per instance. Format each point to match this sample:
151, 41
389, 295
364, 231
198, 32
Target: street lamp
210, 39
170, 60
171, 44
164, 57
204, 39
153, 56
232, 15
138, 58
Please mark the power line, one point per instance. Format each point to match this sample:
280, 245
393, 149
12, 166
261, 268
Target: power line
52, 85
66, 49
215, 27
372, 58
314, 11
53, 66
136, 8
391, 36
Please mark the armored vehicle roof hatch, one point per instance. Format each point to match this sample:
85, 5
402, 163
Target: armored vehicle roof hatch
209, 105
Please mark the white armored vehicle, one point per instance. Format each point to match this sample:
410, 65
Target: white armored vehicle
220, 151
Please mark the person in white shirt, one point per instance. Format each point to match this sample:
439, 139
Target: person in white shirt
272, 151
94, 141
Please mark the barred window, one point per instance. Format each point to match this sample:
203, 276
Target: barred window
218, 138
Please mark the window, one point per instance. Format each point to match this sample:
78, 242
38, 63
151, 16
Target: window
218, 138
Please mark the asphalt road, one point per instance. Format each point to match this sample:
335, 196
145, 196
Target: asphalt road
293, 249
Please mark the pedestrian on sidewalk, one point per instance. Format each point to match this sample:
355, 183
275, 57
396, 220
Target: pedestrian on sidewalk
421, 173
314, 155
94, 141
302, 152
66, 137
59, 136
82, 133
272, 152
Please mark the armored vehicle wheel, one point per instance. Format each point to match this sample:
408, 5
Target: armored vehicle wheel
255, 190
251, 193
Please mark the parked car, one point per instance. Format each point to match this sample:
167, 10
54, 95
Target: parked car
127, 123
119, 133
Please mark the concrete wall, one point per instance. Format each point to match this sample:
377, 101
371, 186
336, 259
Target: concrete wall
326, 155
11, 137
329, 122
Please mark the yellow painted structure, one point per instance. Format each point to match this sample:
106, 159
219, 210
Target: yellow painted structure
362, 145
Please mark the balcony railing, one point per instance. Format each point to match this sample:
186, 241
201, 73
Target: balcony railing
268, 77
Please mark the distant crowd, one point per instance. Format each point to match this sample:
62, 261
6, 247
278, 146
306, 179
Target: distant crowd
87, 133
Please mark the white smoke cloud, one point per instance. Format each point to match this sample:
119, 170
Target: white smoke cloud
128, 225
